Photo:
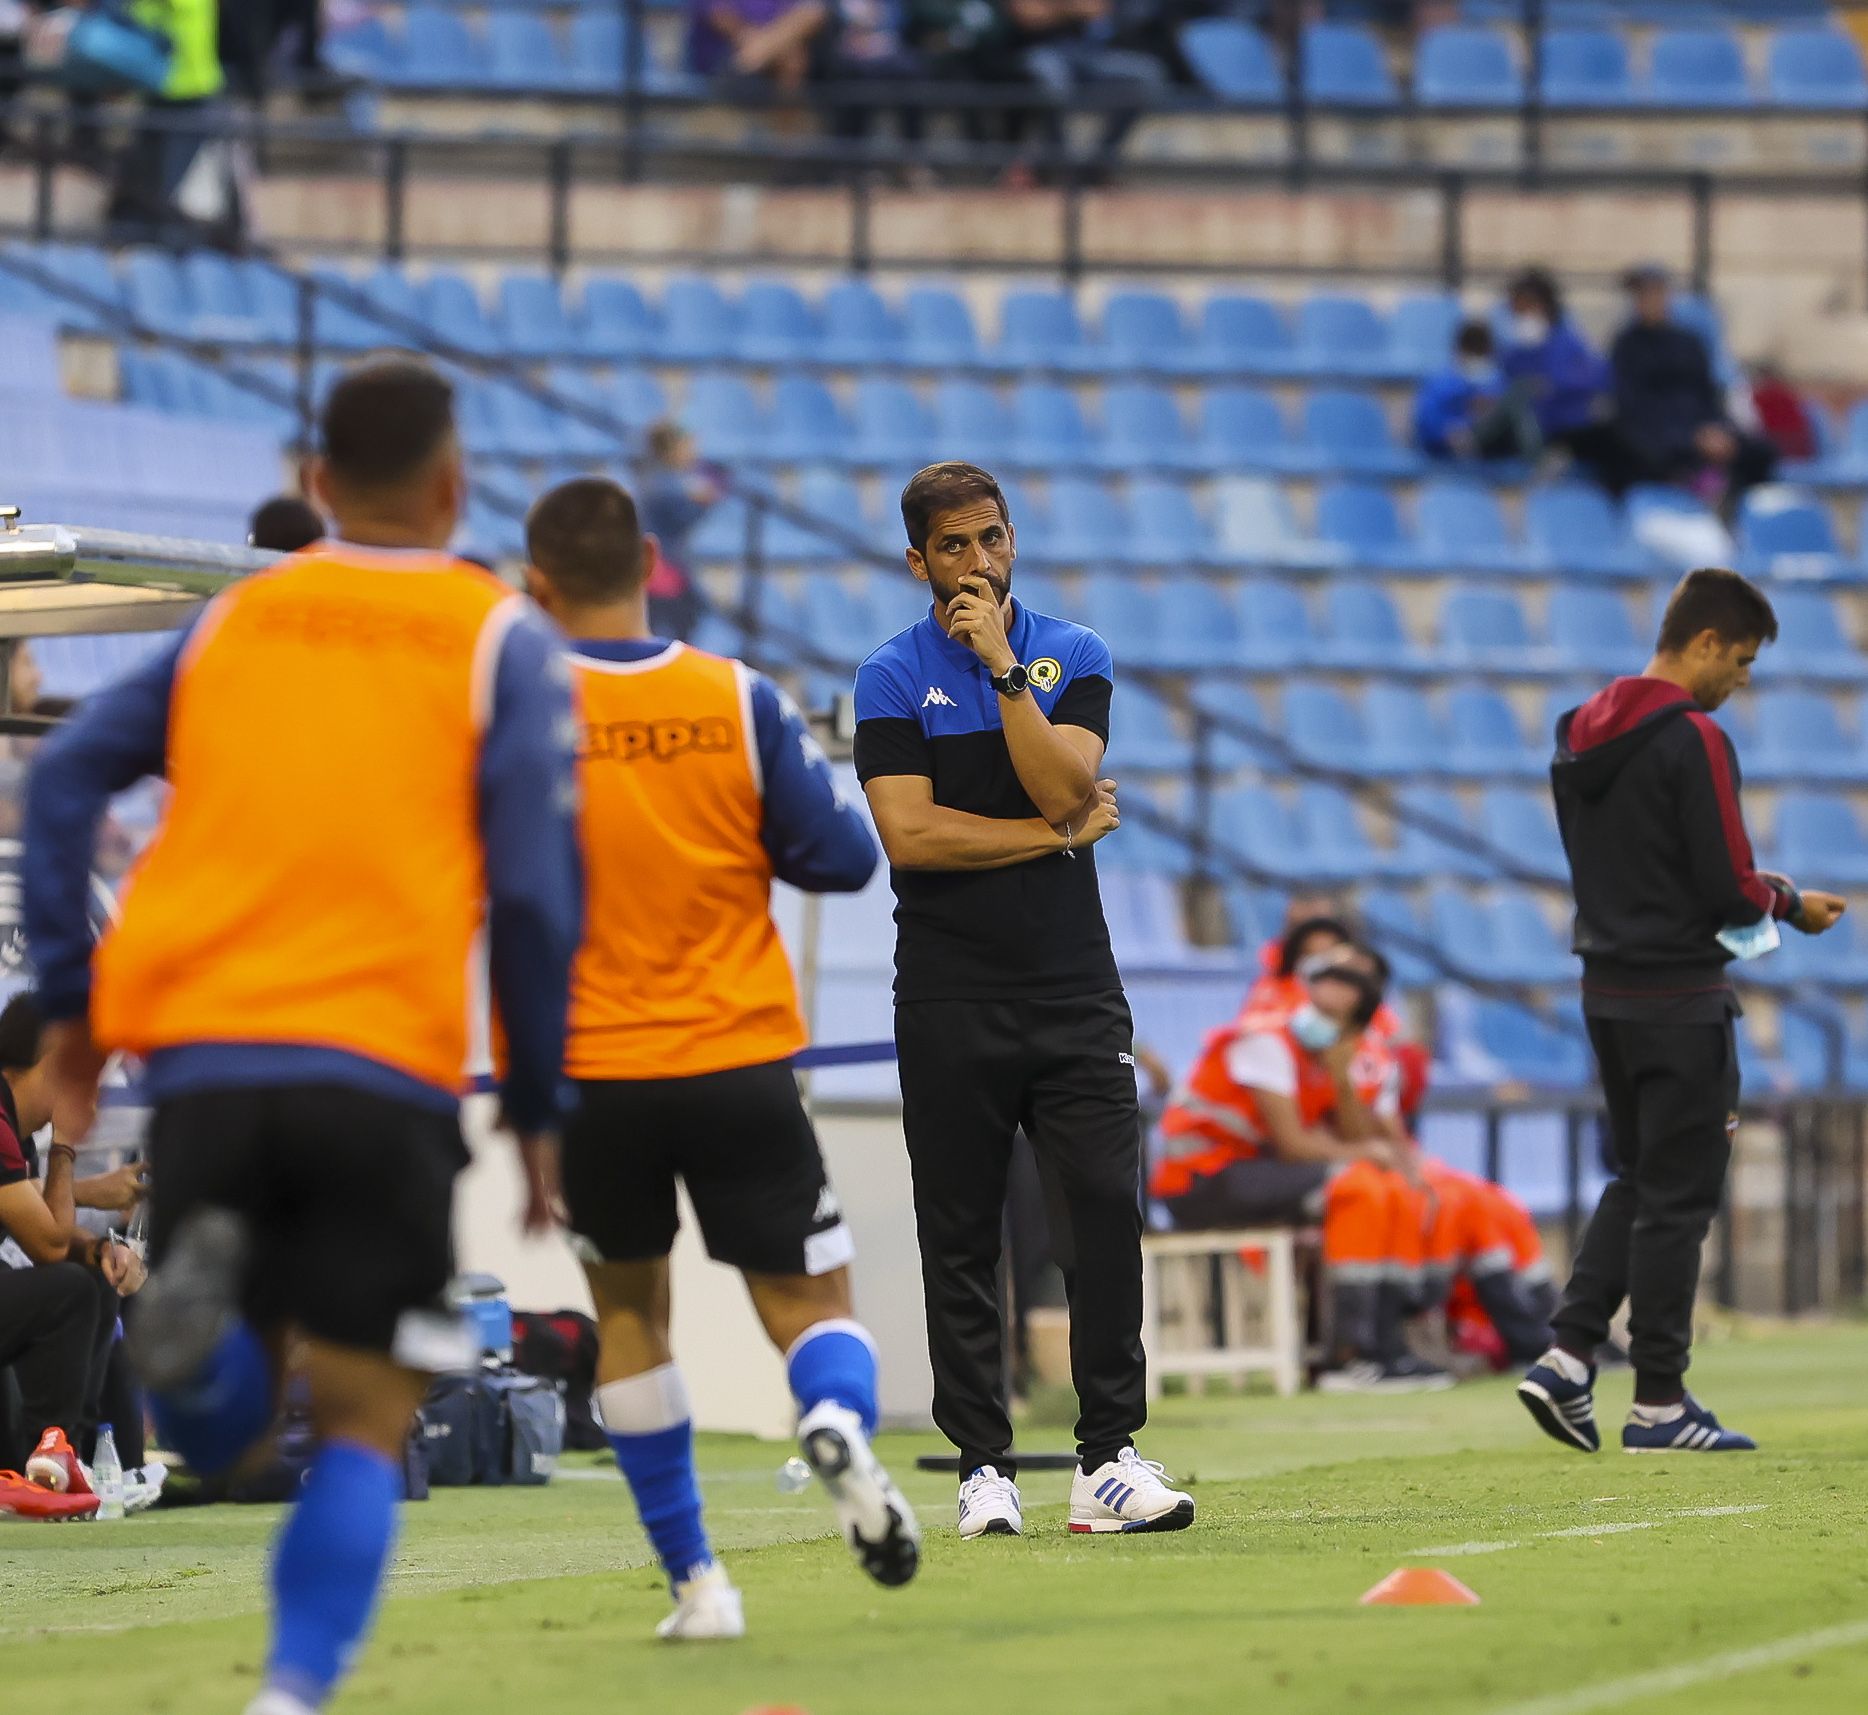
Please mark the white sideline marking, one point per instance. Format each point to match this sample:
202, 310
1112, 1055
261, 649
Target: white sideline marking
1616, 1529
1665, 1679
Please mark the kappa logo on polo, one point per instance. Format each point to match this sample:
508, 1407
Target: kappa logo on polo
938, 699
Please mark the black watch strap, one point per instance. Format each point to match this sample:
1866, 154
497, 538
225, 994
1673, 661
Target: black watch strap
1014, 680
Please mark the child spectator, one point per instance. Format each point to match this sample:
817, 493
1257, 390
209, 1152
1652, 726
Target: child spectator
1467, 412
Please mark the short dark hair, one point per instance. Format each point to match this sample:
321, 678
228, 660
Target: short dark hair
586, 537
1474, 339
285, 524
384, 420
1541, 284
1300, 932
942, 488
1714, 599
22, 1032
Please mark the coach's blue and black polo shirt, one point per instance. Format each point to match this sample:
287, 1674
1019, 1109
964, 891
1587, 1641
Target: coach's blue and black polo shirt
925, 705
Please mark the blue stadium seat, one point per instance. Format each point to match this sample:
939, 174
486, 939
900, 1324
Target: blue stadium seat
1325, 726
1592, 630
638, 398
1811, 639
1836, 959
532, 320
522, 53
1816, 68
1341, 335
1255, 914
1144, 917
1364, 522
437, 51
1048, 427
697, 322
364, 50
724, 416
1799, 737
1697, 68
1198, 625
1237, 715
938, 330
1421, 851
1126, 616
1461, 527
1459, 66
971, 421
1330, 825
1819, 834
1421, 330
1350, 433
1241, 428
341, 326
1396, 931
1841, 459
453, 309
1144, 739
1143, 333
1586, 68
859, 328
1485, 738
1167, 529
580, 440
776, 325
1038, 329
1521, 823
240, 300
1530, 1050
1257, 824
807, 425
1363, 632
1573, 529
1253, 526
1461, 927
1782, 533
833, 496
1344, 67
1275, 633
1232, 61
1527, 948
1244, 335
1485, 628
599, 54
155, 294
1143, 430
617, 320
892, 427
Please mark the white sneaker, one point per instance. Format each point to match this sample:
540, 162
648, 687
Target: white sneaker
142, 1486
706, 1606
273, 1701
1127, 1494
989, 1505
878, 1523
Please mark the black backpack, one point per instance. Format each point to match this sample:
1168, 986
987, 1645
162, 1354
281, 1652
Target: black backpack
561, 1346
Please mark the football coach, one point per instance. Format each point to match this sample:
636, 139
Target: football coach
1646, 788
979, 734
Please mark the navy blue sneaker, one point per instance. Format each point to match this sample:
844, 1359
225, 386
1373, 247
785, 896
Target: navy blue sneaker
1565, 1410
1695, 1430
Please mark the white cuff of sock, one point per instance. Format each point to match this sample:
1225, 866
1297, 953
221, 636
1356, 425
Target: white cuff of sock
641, 1405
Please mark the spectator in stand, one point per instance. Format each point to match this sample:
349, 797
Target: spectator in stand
1670, 408
769, 40
865, 45
678, 489
1467, 412
285, 524
1784, 415
176, 173
1067, 47
1561, 379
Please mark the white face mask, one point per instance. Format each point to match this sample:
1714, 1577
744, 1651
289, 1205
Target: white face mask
1313, 1028
1529, 328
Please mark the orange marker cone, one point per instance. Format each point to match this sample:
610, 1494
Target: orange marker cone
1419, 1587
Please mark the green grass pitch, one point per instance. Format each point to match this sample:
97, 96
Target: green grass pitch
1717, 1585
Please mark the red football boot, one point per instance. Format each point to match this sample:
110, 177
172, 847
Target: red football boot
54, 1466
20, 1499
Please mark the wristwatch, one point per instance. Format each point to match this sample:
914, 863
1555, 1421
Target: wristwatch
1012, 682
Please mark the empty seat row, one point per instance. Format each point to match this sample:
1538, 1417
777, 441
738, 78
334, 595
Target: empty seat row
515, 52
1464, 66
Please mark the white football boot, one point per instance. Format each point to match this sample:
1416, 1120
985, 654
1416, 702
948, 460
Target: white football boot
706, 1606
989, 1505
1127, 1494
878, 1523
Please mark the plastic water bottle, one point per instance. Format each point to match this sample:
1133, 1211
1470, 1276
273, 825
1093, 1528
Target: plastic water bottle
107, 1474
793, 1477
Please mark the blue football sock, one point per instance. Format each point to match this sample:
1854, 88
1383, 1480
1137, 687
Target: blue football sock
836, 1361
650, 1427
327, 1566
224, 1410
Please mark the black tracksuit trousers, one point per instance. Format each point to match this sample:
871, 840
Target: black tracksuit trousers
1671, 1092
973, 1073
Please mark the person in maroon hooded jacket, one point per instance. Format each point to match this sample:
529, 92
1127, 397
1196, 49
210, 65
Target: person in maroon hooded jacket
1646, 786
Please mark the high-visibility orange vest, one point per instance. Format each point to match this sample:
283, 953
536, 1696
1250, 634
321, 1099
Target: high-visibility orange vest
318, 877
682, 971
1212, 1122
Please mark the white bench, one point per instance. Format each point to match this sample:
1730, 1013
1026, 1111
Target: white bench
1167, 1261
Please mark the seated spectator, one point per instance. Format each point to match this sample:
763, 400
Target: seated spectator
1784, 415
770, 40
677, 490
59, 1287
1669, 407
1069, 46
1561, 379
285, 524
865, 45
1290, 1114
1467, 412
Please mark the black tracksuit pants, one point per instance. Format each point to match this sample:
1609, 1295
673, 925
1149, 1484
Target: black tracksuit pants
1671, 1090
56, 1325
974, 1072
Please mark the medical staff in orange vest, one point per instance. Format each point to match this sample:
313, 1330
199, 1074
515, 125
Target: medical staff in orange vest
700, 784
1290, 1114
368, 749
